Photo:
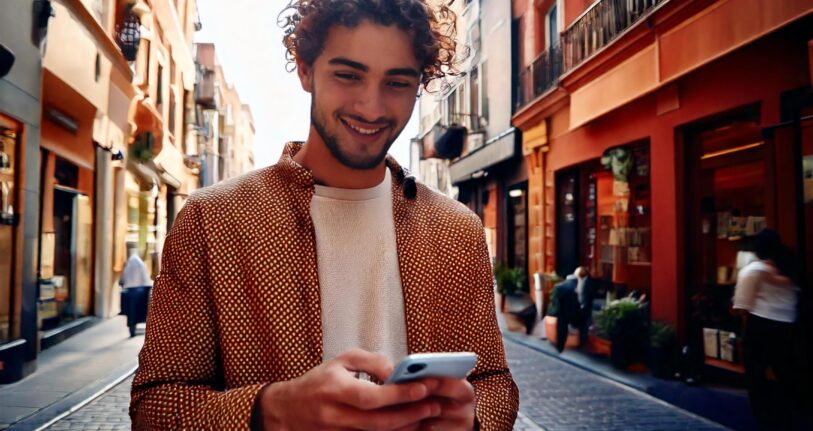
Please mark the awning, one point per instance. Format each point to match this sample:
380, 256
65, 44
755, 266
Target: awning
496, 150
166, 177
145, 174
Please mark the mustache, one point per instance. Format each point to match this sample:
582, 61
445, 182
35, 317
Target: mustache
378, 122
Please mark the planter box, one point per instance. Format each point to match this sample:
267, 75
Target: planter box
598, 345
550, 332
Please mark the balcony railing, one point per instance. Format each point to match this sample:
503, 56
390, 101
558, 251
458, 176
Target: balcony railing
539, 77
593, 30
128, 35
600, 25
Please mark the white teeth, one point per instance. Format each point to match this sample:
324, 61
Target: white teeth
363, 131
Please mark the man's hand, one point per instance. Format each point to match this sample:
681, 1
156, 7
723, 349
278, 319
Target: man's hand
330, 397
457, 401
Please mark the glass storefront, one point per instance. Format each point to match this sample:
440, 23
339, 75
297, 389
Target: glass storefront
66, 254
730, 195
604, 219
517, 232
8, 148
618, 220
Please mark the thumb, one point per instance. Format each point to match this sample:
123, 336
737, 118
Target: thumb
373, 364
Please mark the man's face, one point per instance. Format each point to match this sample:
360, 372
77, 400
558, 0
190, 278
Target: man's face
363, 88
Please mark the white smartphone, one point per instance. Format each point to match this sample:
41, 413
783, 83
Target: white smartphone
421, 365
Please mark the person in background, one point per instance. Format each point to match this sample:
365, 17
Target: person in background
135, 272
572, 305
766, 295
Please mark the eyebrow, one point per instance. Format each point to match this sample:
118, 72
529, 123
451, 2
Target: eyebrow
405, 71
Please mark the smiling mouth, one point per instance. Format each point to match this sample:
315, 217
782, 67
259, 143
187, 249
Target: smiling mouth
362, 130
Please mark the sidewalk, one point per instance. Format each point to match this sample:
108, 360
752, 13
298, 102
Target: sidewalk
71, 374
725, 406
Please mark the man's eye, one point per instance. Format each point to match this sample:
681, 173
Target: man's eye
399, 84
346, 76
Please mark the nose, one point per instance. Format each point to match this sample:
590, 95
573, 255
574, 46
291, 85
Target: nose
371, 105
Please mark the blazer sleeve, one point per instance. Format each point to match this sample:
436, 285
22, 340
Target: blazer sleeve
179, 383
497, 394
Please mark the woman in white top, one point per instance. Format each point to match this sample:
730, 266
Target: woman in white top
767, 296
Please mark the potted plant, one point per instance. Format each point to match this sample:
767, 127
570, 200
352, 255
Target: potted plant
624, 321
141, 150
509, 281
662, 343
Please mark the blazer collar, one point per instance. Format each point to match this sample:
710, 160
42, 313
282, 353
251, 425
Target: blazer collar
302, 177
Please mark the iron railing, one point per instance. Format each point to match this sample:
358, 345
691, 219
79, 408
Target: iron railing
593, 30
600, 25
540, 76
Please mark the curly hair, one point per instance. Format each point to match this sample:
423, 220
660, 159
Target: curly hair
306, 24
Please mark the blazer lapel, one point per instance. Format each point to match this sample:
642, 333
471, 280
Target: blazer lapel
410, 257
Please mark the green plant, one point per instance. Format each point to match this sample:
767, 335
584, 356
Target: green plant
509, 280
661, 335
625, 322
620, 316
141, 150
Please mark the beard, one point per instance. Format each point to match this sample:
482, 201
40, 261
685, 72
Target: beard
350, 159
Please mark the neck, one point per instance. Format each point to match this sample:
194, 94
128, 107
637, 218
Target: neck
328, 171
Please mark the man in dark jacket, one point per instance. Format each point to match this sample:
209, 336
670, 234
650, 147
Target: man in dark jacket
572, 304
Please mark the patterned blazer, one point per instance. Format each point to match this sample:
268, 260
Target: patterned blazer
236, 304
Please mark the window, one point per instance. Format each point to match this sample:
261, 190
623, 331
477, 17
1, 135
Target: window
474, 83
449, 108
172, 115
553, 28
145, 63
484, 94
159, 92
603, 218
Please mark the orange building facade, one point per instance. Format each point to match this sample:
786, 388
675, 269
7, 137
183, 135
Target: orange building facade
658, 135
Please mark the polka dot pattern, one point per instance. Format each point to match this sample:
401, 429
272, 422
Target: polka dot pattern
237, 305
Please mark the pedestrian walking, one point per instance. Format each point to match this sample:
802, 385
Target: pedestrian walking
766, 295
135, 273
279, 287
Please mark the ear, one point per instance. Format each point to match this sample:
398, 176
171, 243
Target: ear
305, 73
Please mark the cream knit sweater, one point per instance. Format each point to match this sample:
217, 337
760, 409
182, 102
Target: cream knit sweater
359, 278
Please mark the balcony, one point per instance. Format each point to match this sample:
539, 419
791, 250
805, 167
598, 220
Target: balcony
128, 34
539, 77
599, 25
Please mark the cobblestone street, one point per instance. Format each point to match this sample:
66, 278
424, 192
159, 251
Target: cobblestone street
560, 396
555, 396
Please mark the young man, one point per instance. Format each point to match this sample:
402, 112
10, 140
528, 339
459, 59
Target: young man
279, 287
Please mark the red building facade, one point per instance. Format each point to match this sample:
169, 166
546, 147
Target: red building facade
658, 135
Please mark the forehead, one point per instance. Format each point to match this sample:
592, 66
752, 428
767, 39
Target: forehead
377, 46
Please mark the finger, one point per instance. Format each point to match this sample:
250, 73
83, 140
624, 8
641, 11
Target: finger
388, 418
459, 390
370, 363
453, 416
444, 425
369, 396
411, 427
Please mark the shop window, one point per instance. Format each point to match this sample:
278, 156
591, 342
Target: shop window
8, 211
603, 219
518, 226
729, 183
618, 225
66, 254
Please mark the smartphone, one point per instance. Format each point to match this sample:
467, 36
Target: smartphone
421, 365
